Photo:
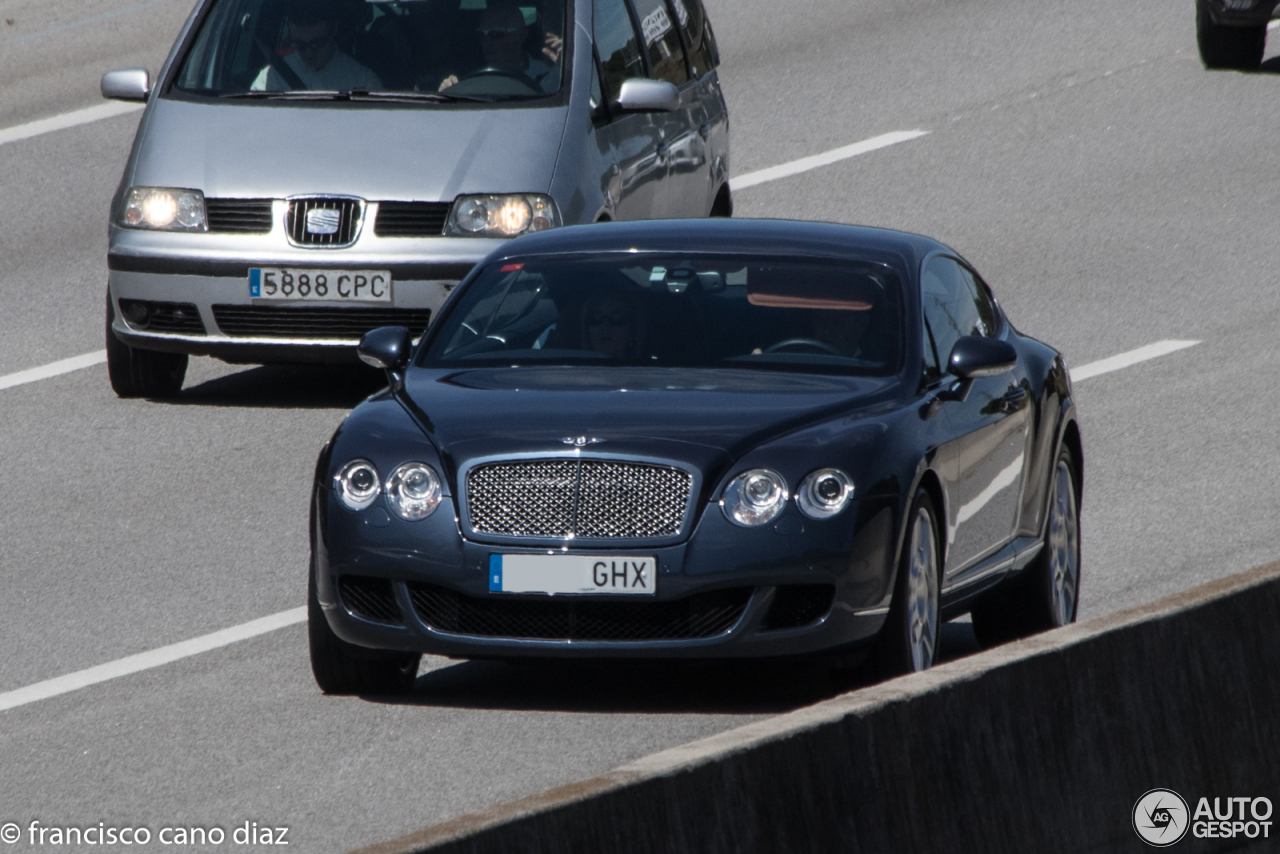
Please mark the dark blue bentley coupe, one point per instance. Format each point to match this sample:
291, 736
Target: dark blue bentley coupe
698, 439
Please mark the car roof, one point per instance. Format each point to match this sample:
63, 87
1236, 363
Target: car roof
726, 236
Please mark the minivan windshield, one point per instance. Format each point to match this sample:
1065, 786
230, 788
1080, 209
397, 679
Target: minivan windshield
403, 50
805, 316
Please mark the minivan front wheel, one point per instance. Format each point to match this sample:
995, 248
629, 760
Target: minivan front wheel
142, 373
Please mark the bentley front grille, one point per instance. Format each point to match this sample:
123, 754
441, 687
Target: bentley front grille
324, 223
599, 499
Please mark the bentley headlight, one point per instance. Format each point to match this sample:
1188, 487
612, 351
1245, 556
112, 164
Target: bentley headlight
824, 493
413, 491
754, 497
501, 216
164, 209
357, 484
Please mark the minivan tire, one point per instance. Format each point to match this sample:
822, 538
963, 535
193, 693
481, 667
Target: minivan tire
142, 373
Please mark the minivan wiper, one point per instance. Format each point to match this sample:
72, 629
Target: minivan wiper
290, 95
433, 97
358, 95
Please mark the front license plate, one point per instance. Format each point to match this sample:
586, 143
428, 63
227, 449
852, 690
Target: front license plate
572, 574
292, 284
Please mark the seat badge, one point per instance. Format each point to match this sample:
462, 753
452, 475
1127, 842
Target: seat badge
323, 221
580, 441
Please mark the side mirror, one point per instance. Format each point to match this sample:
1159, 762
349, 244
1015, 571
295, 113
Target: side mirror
126, 84
387, 347
641, 95
974, 356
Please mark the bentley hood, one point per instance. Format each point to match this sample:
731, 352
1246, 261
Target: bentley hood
704, 418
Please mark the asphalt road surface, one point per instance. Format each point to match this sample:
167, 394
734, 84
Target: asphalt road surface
1113, 192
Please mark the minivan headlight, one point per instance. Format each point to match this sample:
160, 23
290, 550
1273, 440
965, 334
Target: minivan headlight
754, 497
164, 209
501, 216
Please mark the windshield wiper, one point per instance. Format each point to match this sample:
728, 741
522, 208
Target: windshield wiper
358, 95
432, 97
291, 95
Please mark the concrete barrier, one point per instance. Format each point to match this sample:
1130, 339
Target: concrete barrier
1043, 745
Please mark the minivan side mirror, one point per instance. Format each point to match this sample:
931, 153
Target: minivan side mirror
974, 356
387, 347
641, 95
127, 84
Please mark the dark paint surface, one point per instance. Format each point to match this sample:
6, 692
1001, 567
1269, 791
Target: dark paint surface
985, 459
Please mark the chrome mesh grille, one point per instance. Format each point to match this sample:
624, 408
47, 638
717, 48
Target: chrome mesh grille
598, 499
532, 499
342, 215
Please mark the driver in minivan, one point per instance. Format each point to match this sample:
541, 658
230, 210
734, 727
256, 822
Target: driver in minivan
315, 61
503, 32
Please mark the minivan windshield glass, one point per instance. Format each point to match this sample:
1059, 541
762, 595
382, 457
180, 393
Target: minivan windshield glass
805, 316
403, 50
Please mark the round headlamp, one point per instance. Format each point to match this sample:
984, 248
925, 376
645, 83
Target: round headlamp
357, 484
824, 493
754, 497
413, 491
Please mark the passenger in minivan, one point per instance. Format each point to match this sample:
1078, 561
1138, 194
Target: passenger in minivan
315, 59
503, 33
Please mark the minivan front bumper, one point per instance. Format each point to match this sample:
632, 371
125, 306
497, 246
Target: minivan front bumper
197, 287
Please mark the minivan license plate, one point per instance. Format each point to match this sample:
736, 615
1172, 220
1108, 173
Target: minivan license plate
294, 284
572, 574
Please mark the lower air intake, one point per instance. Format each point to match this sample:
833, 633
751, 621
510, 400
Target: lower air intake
369, 598
796, 605
703, 615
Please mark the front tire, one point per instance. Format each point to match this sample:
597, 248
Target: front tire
1046, 595
142, 373
344, 668
1222, 46
908, 642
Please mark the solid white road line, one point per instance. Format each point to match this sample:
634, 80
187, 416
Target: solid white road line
835, 155
1133, 357
147, 660
67, 120
43, 372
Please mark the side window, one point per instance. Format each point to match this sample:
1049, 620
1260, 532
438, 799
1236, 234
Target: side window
697, 35
954, 305
616, 44
988, 315
666, 55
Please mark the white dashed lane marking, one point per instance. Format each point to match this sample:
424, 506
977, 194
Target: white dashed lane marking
815, 161
67, 120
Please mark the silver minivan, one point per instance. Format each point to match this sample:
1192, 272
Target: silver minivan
308, 170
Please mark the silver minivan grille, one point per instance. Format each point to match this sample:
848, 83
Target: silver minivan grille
328, 223
602, 499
